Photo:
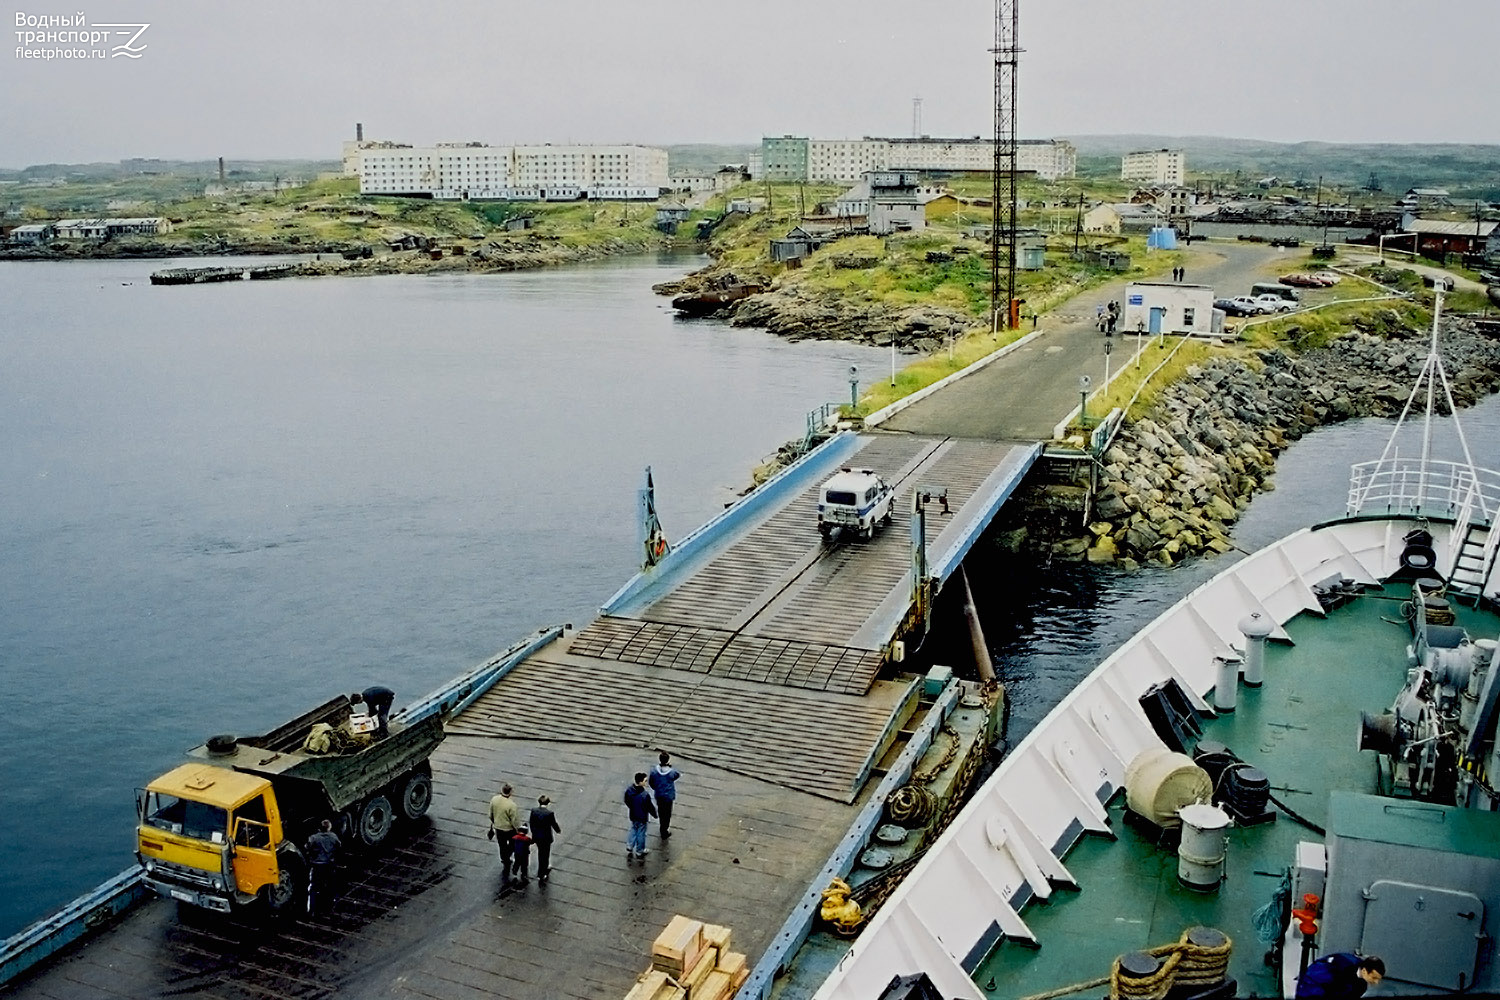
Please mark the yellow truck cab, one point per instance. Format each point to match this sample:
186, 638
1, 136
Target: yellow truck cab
227, 828
208, 835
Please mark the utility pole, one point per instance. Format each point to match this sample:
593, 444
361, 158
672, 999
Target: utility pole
1078, 224
1006, 53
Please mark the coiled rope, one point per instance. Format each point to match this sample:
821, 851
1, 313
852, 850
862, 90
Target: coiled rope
1187, 964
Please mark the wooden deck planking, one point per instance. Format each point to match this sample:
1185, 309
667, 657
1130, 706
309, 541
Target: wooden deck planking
789, 661
836, 600
737, 579
426, 920
816, 741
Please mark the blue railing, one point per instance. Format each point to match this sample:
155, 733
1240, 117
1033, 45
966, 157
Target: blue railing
799, 925
772, 493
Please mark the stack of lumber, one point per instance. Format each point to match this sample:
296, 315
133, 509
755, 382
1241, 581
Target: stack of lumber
691, 960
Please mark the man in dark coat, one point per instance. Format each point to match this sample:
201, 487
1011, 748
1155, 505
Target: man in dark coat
379, 699
663, 778
638, 804
1343, 975
322, 850
543, 828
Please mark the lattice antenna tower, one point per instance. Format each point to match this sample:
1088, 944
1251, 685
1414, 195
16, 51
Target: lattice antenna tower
1003, 214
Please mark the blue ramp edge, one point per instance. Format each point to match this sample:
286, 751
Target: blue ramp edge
694, 551
91, 912
85, 915
461, 692
989, 498
799, 926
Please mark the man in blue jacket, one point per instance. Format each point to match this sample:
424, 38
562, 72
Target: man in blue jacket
1343, 975
638, 803
663, 778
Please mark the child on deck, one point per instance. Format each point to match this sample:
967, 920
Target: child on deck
520, 843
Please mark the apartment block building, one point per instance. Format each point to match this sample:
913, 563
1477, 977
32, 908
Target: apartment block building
474, 170
1154, 166
797, 158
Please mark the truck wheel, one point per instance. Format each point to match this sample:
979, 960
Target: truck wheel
416, 795
282, 897
375, 820
888, 518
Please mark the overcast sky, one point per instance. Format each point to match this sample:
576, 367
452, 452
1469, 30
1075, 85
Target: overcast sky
279, 79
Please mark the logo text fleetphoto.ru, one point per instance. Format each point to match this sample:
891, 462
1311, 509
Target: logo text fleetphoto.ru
70, 37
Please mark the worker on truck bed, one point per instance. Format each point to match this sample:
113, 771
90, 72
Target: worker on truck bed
378, 701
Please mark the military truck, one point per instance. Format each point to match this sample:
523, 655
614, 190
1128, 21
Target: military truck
226, 830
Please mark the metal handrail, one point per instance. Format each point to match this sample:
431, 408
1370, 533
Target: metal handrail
1408, 486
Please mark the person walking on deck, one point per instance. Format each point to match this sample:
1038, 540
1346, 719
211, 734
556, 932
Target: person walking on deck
520, 845
505, 818
663, 778
638, 804
543, 827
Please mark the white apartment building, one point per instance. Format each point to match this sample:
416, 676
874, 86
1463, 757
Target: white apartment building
1154, 166
844, 159
783, 157
458, 171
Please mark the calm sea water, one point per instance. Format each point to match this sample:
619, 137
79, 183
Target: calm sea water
219, 504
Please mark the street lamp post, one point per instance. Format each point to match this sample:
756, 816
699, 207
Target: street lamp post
853, 387
1083, 399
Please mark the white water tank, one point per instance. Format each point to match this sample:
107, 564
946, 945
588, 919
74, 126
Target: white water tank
1205, 840
1159, 782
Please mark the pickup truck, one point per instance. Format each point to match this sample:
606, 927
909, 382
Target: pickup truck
855, 500
225, 831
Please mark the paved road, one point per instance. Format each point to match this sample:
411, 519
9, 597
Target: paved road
1022, 396
1460, 283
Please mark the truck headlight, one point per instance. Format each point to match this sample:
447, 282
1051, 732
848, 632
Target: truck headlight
150, 865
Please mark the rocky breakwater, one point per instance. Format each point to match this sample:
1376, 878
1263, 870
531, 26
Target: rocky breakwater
798, 314
1174, 482
491, 257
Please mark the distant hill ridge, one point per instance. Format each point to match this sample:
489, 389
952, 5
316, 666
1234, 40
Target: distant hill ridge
1468, 170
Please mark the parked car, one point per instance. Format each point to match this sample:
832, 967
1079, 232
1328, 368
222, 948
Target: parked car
1236, 307
1276, 289
1273, 303
1301, 280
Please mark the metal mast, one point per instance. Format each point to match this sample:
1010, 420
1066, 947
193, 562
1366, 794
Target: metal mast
1003, 212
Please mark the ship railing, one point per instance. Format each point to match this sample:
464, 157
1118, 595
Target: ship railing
1437, 489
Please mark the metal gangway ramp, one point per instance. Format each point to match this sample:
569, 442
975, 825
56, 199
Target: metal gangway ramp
757, 594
